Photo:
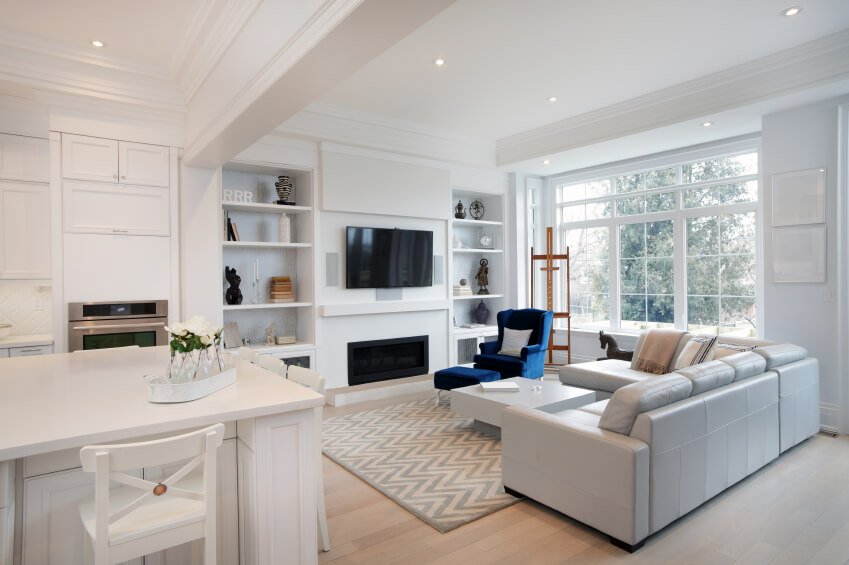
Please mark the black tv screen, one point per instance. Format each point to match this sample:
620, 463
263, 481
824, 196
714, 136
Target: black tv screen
388, 258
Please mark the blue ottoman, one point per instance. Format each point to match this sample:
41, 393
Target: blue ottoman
457, 377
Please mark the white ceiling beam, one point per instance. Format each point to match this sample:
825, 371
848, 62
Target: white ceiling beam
332, 44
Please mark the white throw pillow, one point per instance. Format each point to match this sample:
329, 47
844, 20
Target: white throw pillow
514, 341
698, 350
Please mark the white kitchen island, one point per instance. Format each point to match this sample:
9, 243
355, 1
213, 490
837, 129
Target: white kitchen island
52, 405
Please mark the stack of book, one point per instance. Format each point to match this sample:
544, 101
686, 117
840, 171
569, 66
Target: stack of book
465, 290
282, 290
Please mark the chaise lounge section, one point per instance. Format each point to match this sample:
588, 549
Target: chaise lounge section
662, 445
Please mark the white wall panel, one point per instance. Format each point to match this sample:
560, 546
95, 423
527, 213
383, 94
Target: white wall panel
353, 183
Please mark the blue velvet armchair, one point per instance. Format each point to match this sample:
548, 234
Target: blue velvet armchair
531, 363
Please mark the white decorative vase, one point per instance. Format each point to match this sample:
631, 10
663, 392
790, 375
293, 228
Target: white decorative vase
285, 228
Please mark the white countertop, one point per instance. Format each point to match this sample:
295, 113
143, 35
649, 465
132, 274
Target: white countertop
26, 340
53, 402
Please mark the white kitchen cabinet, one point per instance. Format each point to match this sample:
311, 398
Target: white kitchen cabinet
110, 160
24, 230
144, 164
89, 158
24, 158
116, 267
31, 350
7, 511
4, 352
228, 516
111, 208
52, 530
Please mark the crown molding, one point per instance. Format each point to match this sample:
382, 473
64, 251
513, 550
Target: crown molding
52, 67
187, 46
23, 42
204, 50
327, 122
808, 65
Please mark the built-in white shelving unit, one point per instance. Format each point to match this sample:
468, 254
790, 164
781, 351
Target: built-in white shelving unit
467, 250
248, 199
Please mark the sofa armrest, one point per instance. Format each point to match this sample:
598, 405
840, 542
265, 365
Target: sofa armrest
567, 462
489, 347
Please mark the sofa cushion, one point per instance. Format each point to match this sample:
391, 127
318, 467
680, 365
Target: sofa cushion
697, 350
596, 408
745, 365
781, 354
608, 375
708, 376
630, 401
514, 341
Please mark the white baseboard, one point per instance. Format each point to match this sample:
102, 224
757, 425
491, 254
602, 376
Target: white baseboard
346, 395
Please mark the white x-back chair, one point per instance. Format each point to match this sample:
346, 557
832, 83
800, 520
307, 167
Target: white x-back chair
247, 354
144, 517
316, 382
272, 363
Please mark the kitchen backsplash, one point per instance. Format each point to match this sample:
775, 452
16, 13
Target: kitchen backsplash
28, 307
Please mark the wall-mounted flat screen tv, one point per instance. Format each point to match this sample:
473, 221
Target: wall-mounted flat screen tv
388, 258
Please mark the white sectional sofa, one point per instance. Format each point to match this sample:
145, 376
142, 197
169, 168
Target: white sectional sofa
661, 445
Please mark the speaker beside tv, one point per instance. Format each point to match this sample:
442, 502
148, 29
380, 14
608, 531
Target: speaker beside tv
388, 258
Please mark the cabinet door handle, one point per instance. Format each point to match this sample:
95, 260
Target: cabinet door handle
116, 230
31, 350
114, 176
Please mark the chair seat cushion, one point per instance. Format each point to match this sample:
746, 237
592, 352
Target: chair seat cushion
503, 363
596, 408
457, 377
608, 375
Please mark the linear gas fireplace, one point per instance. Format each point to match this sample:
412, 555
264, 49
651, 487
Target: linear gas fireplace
386, 359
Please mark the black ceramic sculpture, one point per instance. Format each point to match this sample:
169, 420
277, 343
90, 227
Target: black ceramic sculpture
481, 313
234, 295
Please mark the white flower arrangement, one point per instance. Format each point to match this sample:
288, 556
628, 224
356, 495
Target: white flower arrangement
195, 335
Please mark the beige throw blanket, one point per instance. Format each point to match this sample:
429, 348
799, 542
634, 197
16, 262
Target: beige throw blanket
657, 351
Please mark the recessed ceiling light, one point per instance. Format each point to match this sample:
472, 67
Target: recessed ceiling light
546, 162
98, 43
791, 11
439, 61
552, 99
707, 124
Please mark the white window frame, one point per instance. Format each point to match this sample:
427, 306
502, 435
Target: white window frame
679, 216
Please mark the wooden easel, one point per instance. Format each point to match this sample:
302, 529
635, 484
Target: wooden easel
549, 257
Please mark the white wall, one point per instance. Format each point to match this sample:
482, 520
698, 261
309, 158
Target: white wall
201, 280
806, 314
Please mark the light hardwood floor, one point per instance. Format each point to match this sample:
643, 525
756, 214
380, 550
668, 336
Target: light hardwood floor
795, 510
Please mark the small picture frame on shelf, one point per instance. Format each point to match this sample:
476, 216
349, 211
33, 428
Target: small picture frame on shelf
231, 335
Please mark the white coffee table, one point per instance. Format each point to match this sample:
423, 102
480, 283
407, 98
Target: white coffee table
486, 407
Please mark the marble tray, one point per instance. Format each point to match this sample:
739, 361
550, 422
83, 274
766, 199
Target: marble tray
162, 391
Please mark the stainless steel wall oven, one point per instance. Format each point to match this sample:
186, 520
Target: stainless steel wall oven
99, 325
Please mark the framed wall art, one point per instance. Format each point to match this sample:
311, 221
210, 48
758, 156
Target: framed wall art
798, 198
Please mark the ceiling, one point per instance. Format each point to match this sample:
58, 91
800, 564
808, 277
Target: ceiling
504, 59
144, 34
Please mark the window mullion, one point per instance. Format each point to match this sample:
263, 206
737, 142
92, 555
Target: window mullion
613, 255
679, 238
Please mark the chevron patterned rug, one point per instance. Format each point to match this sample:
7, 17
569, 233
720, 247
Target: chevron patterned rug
425, 458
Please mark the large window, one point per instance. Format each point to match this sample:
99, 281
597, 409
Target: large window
671, 244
